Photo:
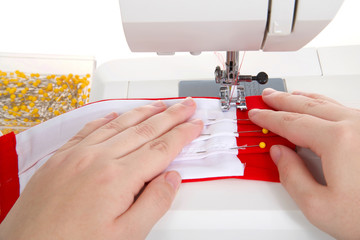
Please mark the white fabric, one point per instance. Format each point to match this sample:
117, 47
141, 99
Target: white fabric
207, 156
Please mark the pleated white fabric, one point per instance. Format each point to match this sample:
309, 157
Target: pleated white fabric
207, 156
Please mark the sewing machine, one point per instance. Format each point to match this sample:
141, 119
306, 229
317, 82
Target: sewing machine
231, 209
166, 27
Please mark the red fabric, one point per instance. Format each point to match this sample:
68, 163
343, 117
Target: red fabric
9, 181
258, 163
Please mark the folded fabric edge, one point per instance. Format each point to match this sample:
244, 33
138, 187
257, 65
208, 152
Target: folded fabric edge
9, 180
257, 175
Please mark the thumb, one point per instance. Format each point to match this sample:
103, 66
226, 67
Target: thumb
309, 195
151, 205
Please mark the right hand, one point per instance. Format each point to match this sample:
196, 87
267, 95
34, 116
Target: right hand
332, 131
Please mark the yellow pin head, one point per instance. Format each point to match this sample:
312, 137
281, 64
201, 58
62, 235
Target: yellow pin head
262, 145
265, 131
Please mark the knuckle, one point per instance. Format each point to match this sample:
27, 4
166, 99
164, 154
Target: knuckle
84, 160
311, 103
288, 118
76, 138
114, 125
160, 146
145, 130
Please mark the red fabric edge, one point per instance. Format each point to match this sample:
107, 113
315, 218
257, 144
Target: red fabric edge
171, 98
9, 180
258, 173
259, 177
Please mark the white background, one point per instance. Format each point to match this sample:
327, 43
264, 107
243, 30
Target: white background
93, 28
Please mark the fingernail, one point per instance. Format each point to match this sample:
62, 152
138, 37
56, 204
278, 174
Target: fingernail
253, 112
275, 153
174, 179
268, 91
158, 103
188, 101
196, 122
111, 116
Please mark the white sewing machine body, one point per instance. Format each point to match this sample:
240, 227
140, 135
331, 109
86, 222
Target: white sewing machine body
166, 27
231, 209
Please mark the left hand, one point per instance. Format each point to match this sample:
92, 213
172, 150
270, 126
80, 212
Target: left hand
91, 188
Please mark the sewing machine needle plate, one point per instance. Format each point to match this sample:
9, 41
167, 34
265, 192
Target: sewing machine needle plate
208, 88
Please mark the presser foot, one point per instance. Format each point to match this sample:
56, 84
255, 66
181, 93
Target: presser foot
232, 96
232, 90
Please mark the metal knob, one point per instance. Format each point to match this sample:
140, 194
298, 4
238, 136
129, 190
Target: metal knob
261, 78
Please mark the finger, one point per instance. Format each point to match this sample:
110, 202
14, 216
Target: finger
155, 156
152, 204
300, 104
316, 96
136, 136
322, 97
310, 196
124, 121
87, 130
301, 129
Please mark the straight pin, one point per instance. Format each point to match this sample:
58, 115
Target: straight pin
261, 145
213, 119
264, 131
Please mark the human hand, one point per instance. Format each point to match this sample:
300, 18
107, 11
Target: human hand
332, 131
93, 186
